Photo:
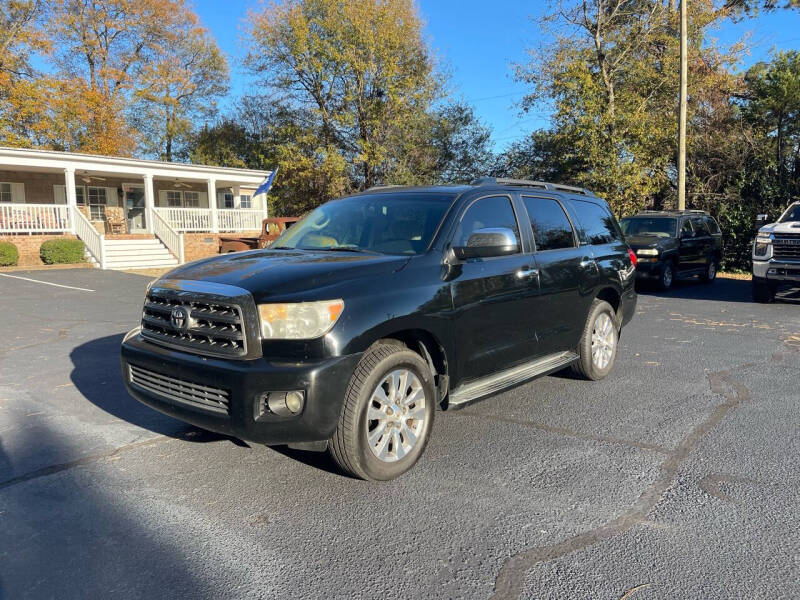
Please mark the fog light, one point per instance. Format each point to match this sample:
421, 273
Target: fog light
285, 404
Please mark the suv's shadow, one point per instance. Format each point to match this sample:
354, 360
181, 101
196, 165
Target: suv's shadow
97, 375
721, 290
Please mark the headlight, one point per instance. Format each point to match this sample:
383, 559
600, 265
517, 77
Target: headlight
648, 252
764, 239
299, 320
762, 244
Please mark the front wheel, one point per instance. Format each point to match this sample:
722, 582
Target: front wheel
667, 276
387, 414
598, 346
763, 291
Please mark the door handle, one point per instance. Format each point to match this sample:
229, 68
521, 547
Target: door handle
523, 273
585, 264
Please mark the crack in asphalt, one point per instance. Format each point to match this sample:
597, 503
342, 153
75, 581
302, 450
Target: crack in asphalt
565, 431
710, 484
85, 460
510, 579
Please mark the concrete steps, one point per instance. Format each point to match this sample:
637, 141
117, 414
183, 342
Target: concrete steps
138, 253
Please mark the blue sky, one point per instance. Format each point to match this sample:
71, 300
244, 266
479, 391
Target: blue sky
478, 42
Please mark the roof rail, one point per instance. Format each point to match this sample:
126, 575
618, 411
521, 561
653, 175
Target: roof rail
381, 187
545, 185
686, 211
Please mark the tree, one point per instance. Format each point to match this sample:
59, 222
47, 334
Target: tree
359, 72
176, 91
102, 49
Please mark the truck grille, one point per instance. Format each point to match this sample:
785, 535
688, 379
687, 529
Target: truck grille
205, 326
179, 390
786, 245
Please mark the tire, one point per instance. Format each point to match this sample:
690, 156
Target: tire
586, 366
711, 271
403, 440
763, 291
667, 276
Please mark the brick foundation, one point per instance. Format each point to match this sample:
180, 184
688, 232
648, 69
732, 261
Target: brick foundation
29, 245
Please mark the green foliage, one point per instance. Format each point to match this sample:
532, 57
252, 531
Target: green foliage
9, 255
56, 252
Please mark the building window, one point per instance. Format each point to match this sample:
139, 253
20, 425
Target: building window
246, 201
5, 192
191, 199
228, 200
80, 194
97, 203
174, 198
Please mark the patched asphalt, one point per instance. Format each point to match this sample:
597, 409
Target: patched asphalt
677, 477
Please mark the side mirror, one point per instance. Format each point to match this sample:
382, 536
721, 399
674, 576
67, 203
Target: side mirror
488, 242
761, 220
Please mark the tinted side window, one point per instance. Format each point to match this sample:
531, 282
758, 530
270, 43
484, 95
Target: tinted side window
599, 226
551, 228
700, 227
686, 229
494, 211
712, 225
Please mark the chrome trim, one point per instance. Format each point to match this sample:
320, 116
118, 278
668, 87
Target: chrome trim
496, 382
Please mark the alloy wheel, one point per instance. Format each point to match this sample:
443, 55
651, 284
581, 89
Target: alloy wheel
603, 341
395, 415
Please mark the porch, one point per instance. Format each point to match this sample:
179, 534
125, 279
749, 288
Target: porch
44, 192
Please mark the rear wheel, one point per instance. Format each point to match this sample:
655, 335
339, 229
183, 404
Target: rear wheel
711, 271
387, 414
598, 346
763, 290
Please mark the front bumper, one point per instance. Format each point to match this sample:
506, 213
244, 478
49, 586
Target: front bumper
647, 269
776, 270
324, 382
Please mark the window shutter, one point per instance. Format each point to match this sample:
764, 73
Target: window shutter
18, 192
162, 198
60, 194
112, 197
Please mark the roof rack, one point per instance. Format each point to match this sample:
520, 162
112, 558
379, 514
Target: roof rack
544, 185
686, 211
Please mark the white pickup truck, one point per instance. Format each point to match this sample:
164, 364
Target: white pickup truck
776, 254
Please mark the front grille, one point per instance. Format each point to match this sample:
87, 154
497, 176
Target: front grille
210, 326
786, 248
179, 390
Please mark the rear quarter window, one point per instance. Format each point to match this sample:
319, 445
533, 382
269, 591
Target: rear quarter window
597, 224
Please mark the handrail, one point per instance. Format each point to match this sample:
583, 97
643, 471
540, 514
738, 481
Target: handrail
94, 241
171, 238
186, 219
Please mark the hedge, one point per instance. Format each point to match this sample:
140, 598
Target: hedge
9, 255
62, 252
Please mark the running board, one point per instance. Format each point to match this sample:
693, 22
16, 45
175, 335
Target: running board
497, 382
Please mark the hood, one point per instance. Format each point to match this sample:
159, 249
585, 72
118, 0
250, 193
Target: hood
281, 273
788, 227
637, 242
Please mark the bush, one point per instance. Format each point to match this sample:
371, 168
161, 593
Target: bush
9, 255
57, 252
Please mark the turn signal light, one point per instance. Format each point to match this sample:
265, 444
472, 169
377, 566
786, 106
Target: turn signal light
633, 256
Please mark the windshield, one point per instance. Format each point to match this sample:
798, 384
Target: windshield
793, 214
657, 227
385, 223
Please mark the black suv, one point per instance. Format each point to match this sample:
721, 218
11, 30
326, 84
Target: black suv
671, 244
376, 308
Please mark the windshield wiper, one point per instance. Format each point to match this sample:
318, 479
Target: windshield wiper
342, 249
283, 248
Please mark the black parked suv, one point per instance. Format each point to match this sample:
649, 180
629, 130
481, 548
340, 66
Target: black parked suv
376, 308
676, 243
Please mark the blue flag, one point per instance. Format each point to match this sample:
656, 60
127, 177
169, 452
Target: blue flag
264, 187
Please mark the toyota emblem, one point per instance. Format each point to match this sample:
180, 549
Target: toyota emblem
179, 319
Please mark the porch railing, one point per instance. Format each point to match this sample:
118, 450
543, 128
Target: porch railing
186, 219
199, 219
91, 237
34, 218
171, 238
239, 219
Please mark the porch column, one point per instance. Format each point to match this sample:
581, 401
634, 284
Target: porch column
72, 199
212, 203
237, 196
149, 201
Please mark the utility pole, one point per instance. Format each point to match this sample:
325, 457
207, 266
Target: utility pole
682, 117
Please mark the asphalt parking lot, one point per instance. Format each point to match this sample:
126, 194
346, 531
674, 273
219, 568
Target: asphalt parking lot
677, 477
